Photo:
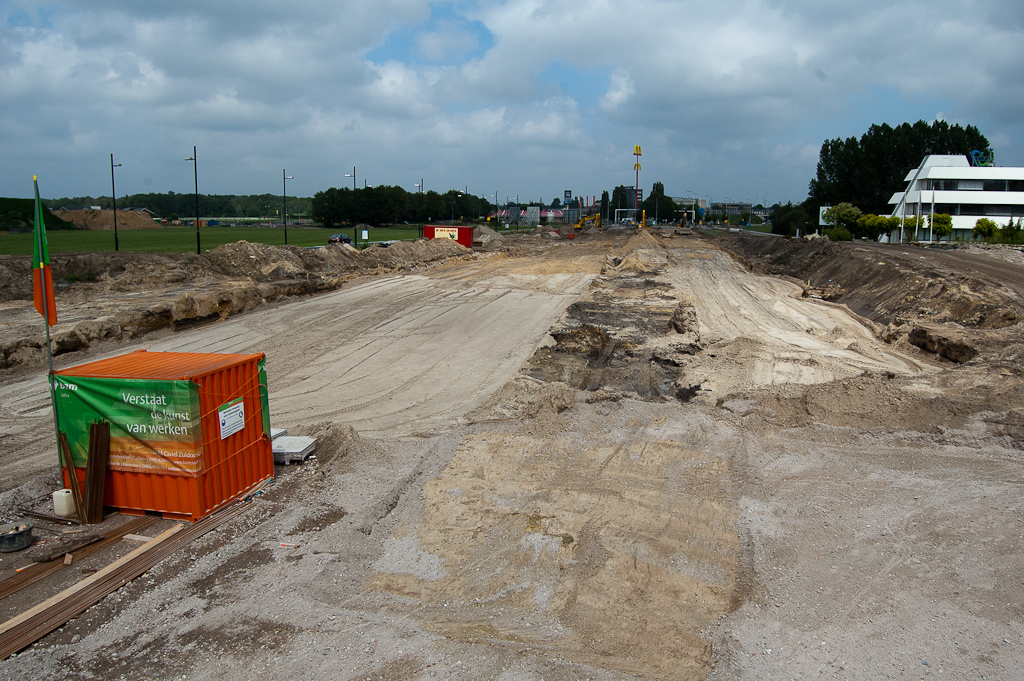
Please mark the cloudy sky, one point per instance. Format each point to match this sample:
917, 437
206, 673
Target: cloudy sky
728, 98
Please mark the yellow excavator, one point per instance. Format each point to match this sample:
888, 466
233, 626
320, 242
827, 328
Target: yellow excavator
585, 222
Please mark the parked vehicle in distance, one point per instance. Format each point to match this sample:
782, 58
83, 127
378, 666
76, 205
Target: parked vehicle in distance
339, 239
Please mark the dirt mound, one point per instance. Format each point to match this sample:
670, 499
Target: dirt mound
104, 219
486, 236
402, 254
336, 444
72, 272
632, 264
111, 297
125, 271
525, 397
642, 239
262, 262
901, 286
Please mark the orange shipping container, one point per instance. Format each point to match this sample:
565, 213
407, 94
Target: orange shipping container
189, 432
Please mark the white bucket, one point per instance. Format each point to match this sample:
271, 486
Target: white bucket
63, 503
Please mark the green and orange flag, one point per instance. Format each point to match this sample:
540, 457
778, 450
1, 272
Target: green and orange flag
42, 279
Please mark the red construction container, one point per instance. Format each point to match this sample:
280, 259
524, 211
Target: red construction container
189, 432
464, 235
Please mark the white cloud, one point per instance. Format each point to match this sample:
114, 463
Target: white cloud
725, 92
620, 90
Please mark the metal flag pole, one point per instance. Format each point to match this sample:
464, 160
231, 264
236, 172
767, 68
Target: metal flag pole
41, 255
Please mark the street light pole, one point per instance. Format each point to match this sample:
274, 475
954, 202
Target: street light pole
113, 197
195, 172
355, 230
457, 195
284, 196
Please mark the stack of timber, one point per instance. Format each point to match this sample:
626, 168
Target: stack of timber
28, 627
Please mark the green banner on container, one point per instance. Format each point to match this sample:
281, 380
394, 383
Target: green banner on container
155, 426
264, 396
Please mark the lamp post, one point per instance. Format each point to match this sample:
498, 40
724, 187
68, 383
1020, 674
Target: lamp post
457, 195
692, 216
195, 172
355, 231
284, 196
113, 197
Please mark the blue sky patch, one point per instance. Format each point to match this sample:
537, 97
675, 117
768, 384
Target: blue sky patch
584, 85
447, 38
40, 18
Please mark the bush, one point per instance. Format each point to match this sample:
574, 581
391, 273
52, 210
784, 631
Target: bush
839, 234
1010, 234
985, 228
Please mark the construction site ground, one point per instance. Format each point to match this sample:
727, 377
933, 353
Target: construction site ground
623, 456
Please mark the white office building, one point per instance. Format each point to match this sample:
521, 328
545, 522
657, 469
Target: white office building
951, 185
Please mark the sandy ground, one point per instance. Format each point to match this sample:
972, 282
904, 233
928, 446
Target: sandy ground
698, 473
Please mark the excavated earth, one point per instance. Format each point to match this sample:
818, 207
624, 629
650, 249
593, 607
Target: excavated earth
623, 456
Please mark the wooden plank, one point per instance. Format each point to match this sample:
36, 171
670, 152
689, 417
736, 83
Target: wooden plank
68, 463
96, 470
75, 588
31, 573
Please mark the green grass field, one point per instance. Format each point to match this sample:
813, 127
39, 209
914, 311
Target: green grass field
183, 239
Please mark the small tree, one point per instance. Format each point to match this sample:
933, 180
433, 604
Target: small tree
1011, 233
843, 215
911, 224
985, 228
942, 225
892, 223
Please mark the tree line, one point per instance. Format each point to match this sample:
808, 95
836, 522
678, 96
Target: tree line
255, 206
388, 205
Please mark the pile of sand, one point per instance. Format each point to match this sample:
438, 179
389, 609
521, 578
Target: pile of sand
642, 239
104, 219
487, 237
405, 253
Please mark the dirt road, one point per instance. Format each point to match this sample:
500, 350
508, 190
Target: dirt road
816, 504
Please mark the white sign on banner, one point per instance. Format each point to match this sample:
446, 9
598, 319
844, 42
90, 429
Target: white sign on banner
231, 416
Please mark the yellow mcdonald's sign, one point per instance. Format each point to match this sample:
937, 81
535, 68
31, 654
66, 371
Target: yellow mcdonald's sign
636, 151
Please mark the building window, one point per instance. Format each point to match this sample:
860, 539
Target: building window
998, 210
970, 185
995, 186
944, 185
1015, 185
971, 209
